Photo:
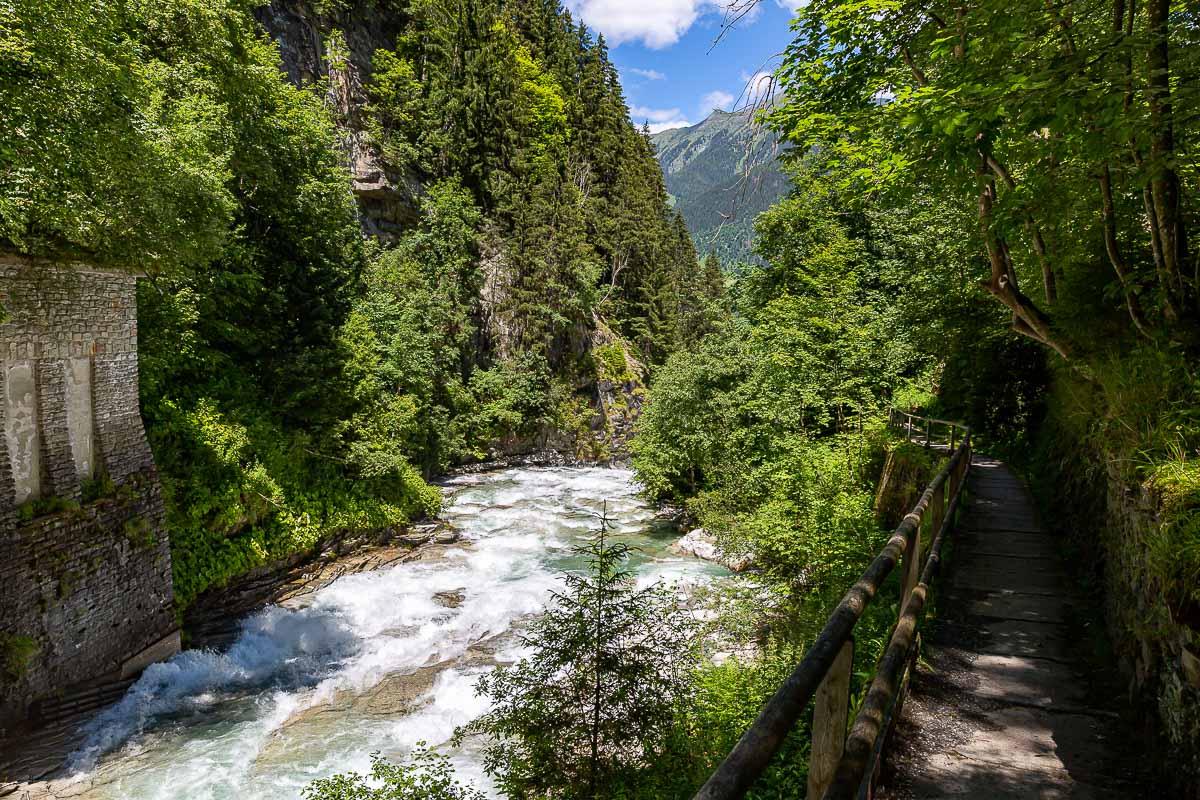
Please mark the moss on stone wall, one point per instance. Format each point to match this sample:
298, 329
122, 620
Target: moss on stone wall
16, 655
907, 470
43, 506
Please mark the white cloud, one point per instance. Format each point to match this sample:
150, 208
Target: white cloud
757, 89
651, 74
637, 113
659, 127
660, 119
656, 23
716, 99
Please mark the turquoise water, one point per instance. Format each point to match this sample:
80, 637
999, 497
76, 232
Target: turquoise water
372, 662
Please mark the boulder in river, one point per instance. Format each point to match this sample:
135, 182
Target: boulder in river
446, 535
450, 599
702, 544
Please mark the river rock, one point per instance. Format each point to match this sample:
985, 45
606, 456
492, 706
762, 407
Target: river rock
447, 535
675, 515
450, 599
702, 544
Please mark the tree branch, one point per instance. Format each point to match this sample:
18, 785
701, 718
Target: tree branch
1114, 254
1049, 280
918, 75
1028, 319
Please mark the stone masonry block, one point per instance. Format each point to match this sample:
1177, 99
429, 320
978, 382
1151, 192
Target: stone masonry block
95, 597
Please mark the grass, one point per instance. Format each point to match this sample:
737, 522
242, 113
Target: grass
44, 506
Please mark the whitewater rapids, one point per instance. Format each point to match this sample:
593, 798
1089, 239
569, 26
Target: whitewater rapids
374, 662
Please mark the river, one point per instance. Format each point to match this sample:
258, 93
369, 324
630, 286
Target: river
373, 662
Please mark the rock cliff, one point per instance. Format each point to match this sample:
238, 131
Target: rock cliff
335, 47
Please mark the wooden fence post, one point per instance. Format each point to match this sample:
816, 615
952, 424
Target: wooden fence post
928, 432
911, 574
830, 711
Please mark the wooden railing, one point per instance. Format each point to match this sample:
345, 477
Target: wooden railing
927, 429
844, 766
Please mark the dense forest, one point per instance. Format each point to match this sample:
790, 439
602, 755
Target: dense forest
989, 220
991, 217
298, 379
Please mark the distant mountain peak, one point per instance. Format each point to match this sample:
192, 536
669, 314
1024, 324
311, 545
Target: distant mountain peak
722, 173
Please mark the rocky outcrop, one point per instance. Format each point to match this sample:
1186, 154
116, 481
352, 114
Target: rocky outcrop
699, 543
333, 45
620, 387
338, 45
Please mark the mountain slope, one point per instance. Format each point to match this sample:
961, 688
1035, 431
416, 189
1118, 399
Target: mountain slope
387, 237
721, 174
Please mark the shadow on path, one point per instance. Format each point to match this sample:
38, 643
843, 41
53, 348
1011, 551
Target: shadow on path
1000, 706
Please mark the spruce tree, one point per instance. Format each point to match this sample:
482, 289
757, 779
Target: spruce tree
595, 705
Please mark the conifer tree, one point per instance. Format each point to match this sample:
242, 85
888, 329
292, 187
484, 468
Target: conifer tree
596, 703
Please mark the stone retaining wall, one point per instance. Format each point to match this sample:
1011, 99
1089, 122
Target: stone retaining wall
85, 588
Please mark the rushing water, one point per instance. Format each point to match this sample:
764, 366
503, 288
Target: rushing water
373, 662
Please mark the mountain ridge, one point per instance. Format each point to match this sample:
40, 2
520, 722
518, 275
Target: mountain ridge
721, 173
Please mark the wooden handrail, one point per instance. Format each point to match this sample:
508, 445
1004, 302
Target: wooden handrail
762, 740
864, 744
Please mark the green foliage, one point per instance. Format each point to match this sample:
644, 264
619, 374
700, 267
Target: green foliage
410, 337
244, 386
1033, 151
591, 712
524, 108
16, 655
1175, 548
425, 775
810, 352
129, 161
768, 430
139, 532
1050, 127
294, 380
395, 108
44, 506
611, 364
94, 489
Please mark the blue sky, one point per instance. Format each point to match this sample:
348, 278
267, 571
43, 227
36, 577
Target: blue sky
672, 74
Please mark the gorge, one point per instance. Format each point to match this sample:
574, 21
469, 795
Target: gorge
372, 663
270, 271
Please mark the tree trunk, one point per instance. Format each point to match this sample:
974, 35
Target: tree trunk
1164, 180
1049, 280
1028, 319
1114, 254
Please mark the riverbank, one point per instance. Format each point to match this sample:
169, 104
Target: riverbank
362, 644
211, 620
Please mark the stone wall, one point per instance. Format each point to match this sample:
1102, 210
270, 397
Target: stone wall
85, 581
1110, 517
1157, 643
